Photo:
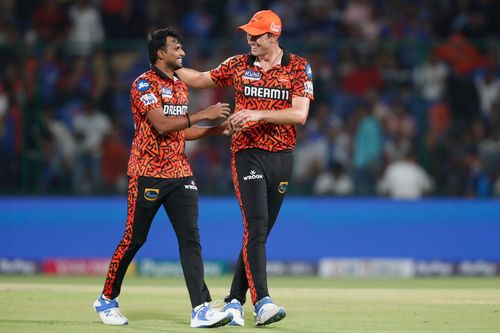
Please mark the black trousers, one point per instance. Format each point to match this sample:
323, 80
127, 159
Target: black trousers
179, 198
260, 181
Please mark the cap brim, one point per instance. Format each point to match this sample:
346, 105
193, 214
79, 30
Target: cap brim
251, 30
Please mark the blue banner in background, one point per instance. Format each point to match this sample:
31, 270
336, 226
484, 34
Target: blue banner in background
307, 229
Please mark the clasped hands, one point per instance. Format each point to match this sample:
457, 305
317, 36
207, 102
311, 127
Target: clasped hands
237, 121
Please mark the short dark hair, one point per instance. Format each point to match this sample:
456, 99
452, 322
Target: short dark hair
157, 39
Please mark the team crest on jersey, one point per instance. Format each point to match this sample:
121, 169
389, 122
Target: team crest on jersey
142, 85
251, 75
309, 71
166, 92
151, 194
148, 99
282, 187
283, 78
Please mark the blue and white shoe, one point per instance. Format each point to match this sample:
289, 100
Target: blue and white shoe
266, 312
206, 316
109, 311
234, 307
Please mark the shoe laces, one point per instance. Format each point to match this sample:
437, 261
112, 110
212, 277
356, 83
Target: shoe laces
217, 305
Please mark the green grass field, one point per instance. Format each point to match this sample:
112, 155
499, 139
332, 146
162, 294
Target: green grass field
64, 304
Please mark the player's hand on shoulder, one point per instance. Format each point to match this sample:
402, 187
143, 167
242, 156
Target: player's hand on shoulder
218, 111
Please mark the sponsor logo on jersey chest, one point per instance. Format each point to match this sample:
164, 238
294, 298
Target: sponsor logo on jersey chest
174, 109
251, 75
270, 93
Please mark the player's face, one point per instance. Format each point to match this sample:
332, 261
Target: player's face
173, 54
261, 44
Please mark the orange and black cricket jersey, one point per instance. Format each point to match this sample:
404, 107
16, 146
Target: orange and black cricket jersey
154, 154
256, 89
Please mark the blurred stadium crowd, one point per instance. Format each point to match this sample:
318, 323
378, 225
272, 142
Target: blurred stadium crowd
407, 93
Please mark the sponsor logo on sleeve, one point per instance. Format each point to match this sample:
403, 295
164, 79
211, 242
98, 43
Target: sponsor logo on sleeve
142, 85
148, 99
151, 194
308, 87
282, 187
309, 71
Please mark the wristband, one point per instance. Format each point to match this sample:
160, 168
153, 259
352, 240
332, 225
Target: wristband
189, 120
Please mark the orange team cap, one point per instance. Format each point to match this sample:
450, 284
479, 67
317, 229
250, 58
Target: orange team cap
262, 22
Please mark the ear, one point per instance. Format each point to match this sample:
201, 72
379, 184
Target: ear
160, 53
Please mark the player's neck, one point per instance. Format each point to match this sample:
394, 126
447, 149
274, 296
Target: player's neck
271, 59
165, 69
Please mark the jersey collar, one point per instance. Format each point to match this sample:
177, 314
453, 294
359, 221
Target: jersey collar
160, 73
285, 59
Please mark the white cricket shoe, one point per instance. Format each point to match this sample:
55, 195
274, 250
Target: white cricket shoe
234, 307
109, 311
206, 316
266, 312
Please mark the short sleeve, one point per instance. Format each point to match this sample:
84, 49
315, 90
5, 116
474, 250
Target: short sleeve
222, 75
145, 95
303, 81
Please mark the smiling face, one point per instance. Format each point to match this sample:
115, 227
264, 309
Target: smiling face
172, 53
261, 44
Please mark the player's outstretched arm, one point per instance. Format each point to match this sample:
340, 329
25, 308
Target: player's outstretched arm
195, 79
165, 124
198, 132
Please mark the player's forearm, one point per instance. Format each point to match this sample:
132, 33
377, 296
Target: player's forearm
194, 78
171, 124
290, 116
198, 132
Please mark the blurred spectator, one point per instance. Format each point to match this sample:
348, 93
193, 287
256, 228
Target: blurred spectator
115, 155
477, 183
462, 56
86, 27
60, 152
90, 127
400, 123
50, 75
363, 78
367, 151
4, 105
50, 21
405, 179
438, 119
430, 78
488, 87
333, 181
116, 17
